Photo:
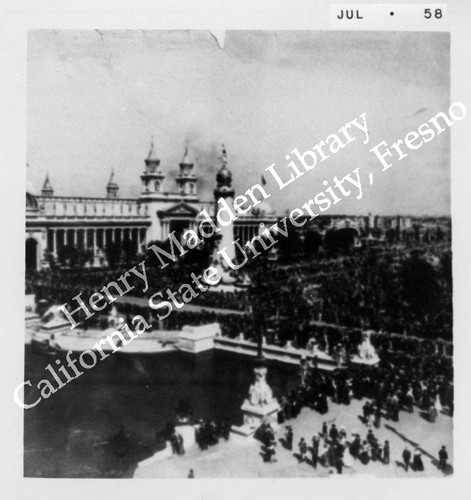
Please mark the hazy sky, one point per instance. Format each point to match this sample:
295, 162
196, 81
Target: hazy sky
96, 98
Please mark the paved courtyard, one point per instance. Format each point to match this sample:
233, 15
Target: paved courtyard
240, 457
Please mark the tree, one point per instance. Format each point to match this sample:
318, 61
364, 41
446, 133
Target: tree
446, 266
312, 242
340, 239
289, 246
113, 254
391, 235
420, 287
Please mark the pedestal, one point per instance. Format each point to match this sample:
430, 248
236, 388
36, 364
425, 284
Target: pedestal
260, 407
195, 339
256, 415
187, 432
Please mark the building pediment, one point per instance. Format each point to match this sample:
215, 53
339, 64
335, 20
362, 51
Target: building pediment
180, 209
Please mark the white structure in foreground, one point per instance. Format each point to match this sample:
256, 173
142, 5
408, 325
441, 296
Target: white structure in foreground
195, 339
260, 407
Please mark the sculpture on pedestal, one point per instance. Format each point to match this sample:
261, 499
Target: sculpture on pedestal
224, 191
260, 407
366, 351
260, 392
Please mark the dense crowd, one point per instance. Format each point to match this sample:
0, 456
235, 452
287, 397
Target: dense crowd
392, 288
388, 389
328, 303
332, 448
401, 381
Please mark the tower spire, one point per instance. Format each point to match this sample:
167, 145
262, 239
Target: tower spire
47, 187
224, 155
112, 188
152, 156
186, 160
186, 179
152, 177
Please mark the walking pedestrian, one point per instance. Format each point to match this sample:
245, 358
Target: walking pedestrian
406, 456
302, 445
386, 452
315, 451
442, 458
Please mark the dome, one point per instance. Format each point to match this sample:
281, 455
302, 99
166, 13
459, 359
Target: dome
263, 209
31, 202
30, 188
224, 177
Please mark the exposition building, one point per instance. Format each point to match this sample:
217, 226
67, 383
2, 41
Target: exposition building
91, 223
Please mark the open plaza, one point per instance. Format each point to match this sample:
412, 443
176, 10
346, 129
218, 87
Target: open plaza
239, 457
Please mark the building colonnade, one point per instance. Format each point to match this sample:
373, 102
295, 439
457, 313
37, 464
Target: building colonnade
94, 238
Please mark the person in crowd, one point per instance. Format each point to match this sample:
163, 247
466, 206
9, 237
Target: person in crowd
406, 456
289, 437
191, 474
370, 437
324, 430
386, 452
174, 443
271, 450
442, 458
322, 404
355, 445
364, 453
417, 463
377, 422
180, 445
339, 451
323, 457
302, 446
379, 451
315, 451
333, 433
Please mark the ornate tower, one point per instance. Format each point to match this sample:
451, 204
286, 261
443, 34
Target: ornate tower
47, 187
186, 179
112, 188
152, 177
224, 191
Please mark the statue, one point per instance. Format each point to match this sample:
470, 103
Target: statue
303, 370
113, 318
224, 175
260, 393
366, 352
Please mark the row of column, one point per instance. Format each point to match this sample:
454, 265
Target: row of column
247, 232
166, 227
106, 236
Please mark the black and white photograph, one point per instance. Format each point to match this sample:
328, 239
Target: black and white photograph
238, 254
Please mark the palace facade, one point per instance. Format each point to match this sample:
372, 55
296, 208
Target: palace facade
93, 223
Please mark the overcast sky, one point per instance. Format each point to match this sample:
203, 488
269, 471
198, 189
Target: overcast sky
96, 98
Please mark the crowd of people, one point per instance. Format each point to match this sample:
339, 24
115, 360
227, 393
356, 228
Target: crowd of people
385, 391
392, 288
328, 303
332, 448
208, 432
